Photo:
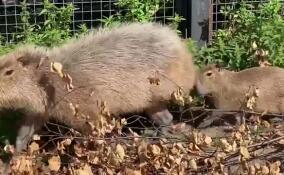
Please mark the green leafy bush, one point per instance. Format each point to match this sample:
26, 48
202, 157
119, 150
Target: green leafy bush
54, 31
254, 33
56, 27
139, 11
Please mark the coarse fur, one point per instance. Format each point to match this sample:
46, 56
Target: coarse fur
227, 88
110, 65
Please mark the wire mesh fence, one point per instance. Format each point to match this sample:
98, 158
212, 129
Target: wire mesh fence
217, 20
87, 12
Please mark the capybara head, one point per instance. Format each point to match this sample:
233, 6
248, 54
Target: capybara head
18, 85
210, 78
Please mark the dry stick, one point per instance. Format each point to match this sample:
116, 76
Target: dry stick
234, 111
255, 145
267, 142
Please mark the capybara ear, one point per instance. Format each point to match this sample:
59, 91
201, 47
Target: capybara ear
26, 60
219, 66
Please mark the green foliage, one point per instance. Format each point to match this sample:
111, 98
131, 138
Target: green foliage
54, 31
252, 30
5, 48
138, 11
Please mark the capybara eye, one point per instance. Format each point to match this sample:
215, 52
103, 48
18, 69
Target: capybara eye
208, 73
9, 72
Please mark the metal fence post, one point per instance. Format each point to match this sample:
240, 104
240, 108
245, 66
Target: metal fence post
199, 21
182, 7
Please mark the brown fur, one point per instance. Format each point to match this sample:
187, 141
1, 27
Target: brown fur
228, 88
112, 64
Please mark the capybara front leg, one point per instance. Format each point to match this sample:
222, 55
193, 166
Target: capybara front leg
161, 116
26, 130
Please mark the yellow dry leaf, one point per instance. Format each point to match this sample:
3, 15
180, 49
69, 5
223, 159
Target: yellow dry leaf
156, 150
36, 137
57, 67
22, 164
178, 160
68, 80
33, 147
157, 164
9, 149
234, 146
193, 164
109, 171
220, 156
266, 124
252, 169
244, 152
275, 168
254, 45
132, 172
54, 163
237, 135
86, 170
281, 142
242, 128
257, 166
74, 108
226, 146
120, 152
66, 142
207, 140
264, 170
123, 121
100, 141
177, 96
79, 151
264, 63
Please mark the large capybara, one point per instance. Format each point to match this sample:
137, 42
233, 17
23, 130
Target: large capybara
228, 89
114, 66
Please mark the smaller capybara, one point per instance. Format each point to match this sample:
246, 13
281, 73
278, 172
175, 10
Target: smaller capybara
114, 66
228, 89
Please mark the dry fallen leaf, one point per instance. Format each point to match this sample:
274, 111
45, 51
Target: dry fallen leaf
252, 169
54, 163
156, 150
244, 152
86, 170
193, 164
79, 150
57, 68
120, 152
264, 63
68, 80
22, 164
33, 148
207, 140
254, 45
264, 170
36, 137
226, 146
266, 124
132, 172
9, 149
275, 168
177, 96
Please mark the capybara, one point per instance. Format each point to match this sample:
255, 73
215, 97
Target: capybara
113, 66
228, 89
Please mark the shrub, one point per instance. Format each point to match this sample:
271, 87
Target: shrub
54, 31
254, 33
139, 11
